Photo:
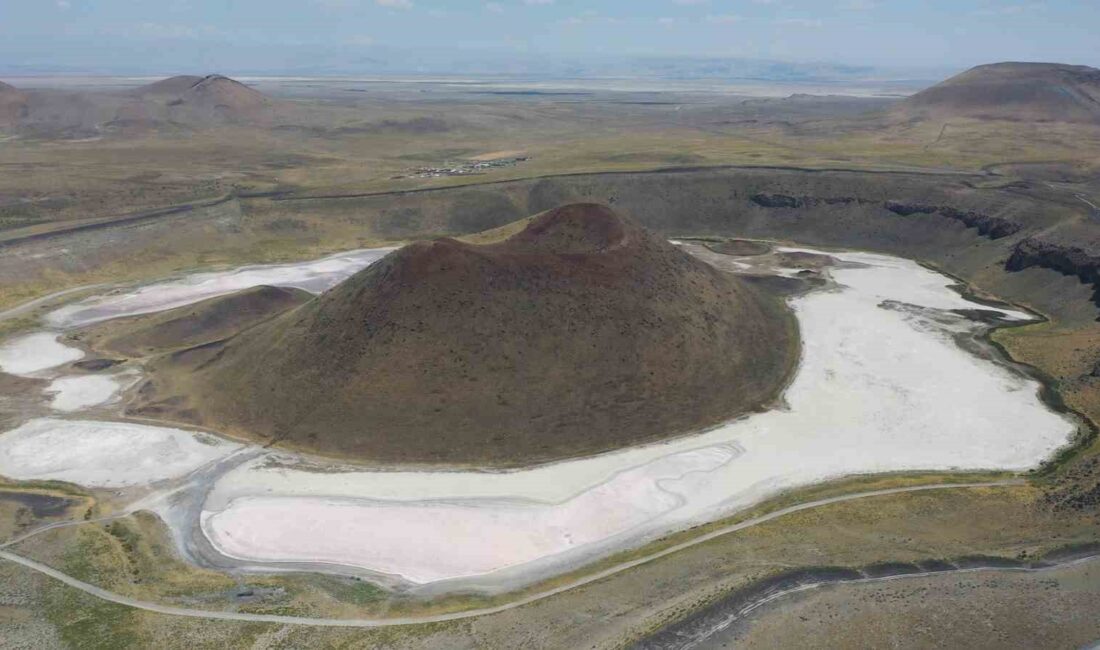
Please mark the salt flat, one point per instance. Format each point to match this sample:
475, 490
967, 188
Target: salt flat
314, 276
335, 529
882, 386
105, 454
79, 392
33, 353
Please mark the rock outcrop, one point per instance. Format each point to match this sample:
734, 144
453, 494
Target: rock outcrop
786, 201
987, 226
1067, 260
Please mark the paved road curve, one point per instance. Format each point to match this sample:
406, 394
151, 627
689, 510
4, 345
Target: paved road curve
526, 600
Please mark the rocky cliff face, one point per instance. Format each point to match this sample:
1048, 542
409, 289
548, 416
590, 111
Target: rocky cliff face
988, 226
1067, 260
785, 201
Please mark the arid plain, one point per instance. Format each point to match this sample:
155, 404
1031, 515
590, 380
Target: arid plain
114, 197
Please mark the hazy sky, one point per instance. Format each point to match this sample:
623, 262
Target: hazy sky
238, 34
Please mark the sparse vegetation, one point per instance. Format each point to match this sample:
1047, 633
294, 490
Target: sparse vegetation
1026, 174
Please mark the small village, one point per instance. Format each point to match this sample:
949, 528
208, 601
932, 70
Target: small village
463, 168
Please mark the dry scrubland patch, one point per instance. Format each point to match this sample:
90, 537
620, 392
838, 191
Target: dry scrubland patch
252, 230
1070, 354
26, 595
212, 239
165, 262
24, 508
908, 527
100, 181
135, 556
1054, 609
72, 181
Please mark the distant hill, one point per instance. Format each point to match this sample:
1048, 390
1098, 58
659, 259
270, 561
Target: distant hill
580, 333
13, 105
172, 86
197, 101
1026, 92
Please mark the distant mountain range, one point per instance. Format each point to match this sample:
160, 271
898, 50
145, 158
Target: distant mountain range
385, 60
396, 62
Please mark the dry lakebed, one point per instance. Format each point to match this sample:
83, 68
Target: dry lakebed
861, 402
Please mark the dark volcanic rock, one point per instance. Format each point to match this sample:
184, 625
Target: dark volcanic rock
776, 201
1067, 260
1079, 490
988, 226
785, 201
95, 365
909, 209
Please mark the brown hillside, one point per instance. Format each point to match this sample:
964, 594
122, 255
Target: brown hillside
1032, 92
209, 320
198, 101
579, 334
218, 91
13, 105
174, 86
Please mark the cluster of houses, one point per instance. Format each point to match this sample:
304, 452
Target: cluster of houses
463, 168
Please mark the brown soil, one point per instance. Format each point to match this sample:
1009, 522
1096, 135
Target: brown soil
579, 334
